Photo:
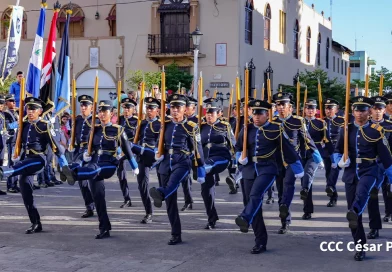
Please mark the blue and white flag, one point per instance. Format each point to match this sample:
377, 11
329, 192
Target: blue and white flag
35, 65
63, 80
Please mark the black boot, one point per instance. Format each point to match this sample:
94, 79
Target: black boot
257, 249
2, 192
270, 200
330, 191
231, 183
307, 216
175, 239
387, 217
103, 234
284, 229
332, 203
87, 214
127, 203
359, 255
157, 196
187, 207
352, 218
242, 223
283, 211
373, 234
34, 228
147, 219
304, 193
210, 225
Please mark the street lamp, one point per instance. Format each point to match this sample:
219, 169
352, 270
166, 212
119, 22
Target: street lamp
219, 97
196, 38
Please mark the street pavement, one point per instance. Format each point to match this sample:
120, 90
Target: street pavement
67, 242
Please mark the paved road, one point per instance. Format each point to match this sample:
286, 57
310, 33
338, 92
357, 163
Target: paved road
68, 244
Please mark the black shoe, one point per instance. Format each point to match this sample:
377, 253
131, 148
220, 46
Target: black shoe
87, 214
175, 239
233, 192
127, 203
34, 228
242, 223
257, 249
352, 218
284, 229
103, 234
210, 225
2, 192
57, 182
332, 203
12, 191
187, 207
373, 234
374, 193
69, 174
17, 189
283, 211
43, 185
304, 193
387, 217
330, 191
307, 216
231, 183
63, 177
359, 255
50, 184
157, 196
35, 187
147, 219
216, 183
270, 200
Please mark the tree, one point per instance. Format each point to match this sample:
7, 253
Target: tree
331, 88
5, 88
133, 79
174, 76
374, 81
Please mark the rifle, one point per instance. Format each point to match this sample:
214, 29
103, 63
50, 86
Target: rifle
73, 116
94, 116
140, 112
161, 144
118, 101
200, 106
238, 106
346, 113
18, 145
320, 100
298, 95
269, 97
230, 102
246, 115
305, 98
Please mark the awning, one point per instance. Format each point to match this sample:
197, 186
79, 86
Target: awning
111, 18
72, 19
173, 8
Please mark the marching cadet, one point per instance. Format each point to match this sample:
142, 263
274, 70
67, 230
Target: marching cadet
319, 132
3, 132
377, 117
11, 121
295, 128
129, 122
102, 163
82, 130
230, 180
182, 137
144, 151
217, 140
266, 141
334, 125
36, 136
388, 109
366, 143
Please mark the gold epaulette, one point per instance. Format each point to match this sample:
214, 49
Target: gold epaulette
275, 123
298, 117
377, 127
274, 118
192, 124
225, 123
168, 120
42, 120
388, 121
133, 116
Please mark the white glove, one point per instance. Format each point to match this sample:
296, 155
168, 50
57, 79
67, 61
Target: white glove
86, 157
118, 157
142, 151
243, 161
53, 120
344, 164
201, 180
300, 175
15, 160
321, 166
136, 172
158, 159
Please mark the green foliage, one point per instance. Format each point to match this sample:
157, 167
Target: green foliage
174, 76
331, 88
133, 79
5, 88
374, 81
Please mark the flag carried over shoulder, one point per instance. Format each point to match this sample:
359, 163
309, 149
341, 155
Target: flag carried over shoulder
48, 73
35, 64
63, 89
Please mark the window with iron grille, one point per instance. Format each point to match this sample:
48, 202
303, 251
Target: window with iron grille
327, 54
319, 50
267, 28
308, 36
296, 39
248, 21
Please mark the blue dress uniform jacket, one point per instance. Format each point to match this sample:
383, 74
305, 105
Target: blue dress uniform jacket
320, 134
10, 117
130, 125
333, 126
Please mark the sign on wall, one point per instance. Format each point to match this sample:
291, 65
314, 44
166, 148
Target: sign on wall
219, 84
220, 54
94, 57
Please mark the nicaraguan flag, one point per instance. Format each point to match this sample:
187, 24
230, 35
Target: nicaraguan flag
35, 65
63, 82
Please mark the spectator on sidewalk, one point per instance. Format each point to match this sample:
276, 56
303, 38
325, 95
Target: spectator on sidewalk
15, 87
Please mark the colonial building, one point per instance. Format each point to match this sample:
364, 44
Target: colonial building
275, 37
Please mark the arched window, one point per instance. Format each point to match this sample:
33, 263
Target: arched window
296, 39
308, 36
112, 21
5, 24
318, 50
267, 27
327, 54
76, 24
248, 21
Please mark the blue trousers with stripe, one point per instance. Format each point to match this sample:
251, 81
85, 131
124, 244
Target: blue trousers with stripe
170, 183
26, 169
122, 177
253, 212
12, 181
218, 164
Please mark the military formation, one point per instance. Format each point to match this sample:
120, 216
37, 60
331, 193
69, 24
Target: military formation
263, 145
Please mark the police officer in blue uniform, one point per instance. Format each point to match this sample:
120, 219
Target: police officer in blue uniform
103, 162
377, 117
295, 128
334, 125
366, 144
217, 140
266, 141
129, 122
11, 123
82, 130
182, 137
144, 151
36, 136
319, 132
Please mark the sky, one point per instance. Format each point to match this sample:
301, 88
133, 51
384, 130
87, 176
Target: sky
368, 21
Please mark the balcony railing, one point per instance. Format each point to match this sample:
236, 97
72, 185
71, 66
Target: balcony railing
169, 44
